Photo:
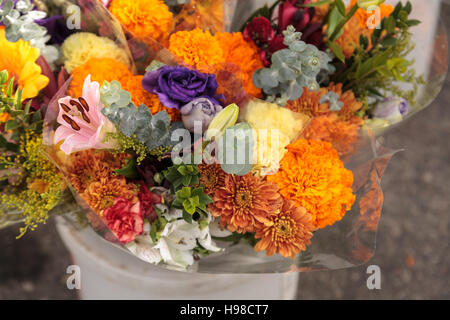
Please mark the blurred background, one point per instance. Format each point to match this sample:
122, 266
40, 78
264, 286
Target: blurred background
413, 235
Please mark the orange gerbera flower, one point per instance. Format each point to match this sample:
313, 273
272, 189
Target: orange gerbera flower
244, 201
313, 176
197, 48
103, 69
101, 194
212, 177
288, 232
341, 128
245, 55
133, 84
143, 18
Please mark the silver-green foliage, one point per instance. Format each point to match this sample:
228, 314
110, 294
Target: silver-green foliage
154, 131
297, 67
20, 20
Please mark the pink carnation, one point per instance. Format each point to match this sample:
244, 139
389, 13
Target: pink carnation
125, 219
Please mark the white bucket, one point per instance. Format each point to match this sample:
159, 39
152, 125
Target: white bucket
109, 273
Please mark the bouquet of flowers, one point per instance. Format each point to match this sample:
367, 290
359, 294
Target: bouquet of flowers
30, 185
197, 148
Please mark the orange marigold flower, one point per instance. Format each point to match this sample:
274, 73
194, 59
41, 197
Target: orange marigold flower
212, 177
100, 195
364, 17
133, 84
103, 69
196, 48
312, 175
288, 232
245, 201
243, 54
143, 18
341, 128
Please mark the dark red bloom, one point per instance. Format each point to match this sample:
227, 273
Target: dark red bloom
290, 14
276, 44
147, 199
259, 30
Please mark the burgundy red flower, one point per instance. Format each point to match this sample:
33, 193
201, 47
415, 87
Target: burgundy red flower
259, 30
147, 200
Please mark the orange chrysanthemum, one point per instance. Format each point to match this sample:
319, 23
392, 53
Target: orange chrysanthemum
364, 17
143, 18
212, 177
196, 48
313, 176
103, 69
245, 201
341, 128
244, 54
288, 232
101, 194
343, 135
309, 102
133, 84
89, 166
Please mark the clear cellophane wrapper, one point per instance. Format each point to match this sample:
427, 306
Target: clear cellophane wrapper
347, 243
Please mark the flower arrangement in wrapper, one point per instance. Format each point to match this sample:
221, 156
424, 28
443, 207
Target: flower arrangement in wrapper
200, 149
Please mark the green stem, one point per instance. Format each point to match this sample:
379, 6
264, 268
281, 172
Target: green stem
336, 32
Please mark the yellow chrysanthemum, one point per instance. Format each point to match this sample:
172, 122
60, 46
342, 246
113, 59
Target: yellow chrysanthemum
80, 47
19, 58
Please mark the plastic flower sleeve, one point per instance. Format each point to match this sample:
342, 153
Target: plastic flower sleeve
348, 243
89, 16
165, 236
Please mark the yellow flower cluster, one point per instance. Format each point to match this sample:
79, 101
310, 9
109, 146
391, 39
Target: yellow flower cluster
45, 186
80, 47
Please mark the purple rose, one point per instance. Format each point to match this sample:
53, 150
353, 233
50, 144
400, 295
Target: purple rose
177, 86
200, 110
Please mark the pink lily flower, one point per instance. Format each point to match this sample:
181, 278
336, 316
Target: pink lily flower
82, 124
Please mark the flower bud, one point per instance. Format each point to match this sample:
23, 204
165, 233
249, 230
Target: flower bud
225, 119
366, 4
392, 109
199, 110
